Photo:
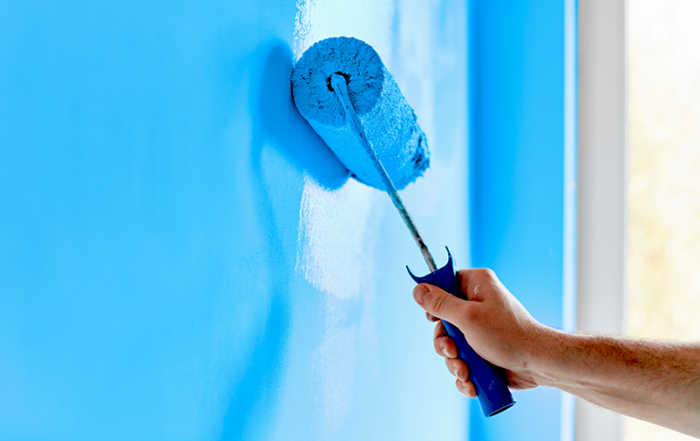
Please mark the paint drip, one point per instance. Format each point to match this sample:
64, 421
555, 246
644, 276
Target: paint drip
389, 122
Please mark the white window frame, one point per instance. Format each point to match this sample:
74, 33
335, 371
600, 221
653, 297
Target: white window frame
602, 189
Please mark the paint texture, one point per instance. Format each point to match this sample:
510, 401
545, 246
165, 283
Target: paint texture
389, 122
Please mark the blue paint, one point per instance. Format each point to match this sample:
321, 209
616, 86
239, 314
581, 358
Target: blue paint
522, 157
389, 122
153, 168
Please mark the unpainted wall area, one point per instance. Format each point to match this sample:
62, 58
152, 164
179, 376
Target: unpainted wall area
183, 258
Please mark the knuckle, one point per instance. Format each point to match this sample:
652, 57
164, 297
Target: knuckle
464, 274
464, 278
487, 273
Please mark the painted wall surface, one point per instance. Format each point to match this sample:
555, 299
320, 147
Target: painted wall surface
181, 257
522, 74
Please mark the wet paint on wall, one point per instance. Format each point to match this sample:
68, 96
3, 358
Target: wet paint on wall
181, 255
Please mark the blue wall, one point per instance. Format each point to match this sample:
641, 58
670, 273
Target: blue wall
522, 74
181, 257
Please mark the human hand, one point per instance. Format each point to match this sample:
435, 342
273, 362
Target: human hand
494, 323
655, 381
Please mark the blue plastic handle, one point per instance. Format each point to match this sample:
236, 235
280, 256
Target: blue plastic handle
491, 388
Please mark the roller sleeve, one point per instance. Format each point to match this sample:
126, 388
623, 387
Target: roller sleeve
389, 122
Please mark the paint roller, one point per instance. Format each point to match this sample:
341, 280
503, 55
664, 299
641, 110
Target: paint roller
342, 88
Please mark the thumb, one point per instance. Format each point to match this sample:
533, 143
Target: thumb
439, 303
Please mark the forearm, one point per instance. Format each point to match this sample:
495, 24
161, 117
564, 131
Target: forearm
655, 381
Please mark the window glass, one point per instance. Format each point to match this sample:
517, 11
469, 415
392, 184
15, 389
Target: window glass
664, 186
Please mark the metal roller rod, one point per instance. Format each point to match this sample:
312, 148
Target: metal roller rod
340, 87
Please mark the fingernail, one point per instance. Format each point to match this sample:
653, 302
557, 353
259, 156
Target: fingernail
444, 351
463, 391
460, 375
420, 292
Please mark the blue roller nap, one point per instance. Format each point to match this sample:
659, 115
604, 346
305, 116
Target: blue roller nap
389, 122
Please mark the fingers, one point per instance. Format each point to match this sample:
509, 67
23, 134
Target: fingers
439, 303
458, 368
466, 387
444, 345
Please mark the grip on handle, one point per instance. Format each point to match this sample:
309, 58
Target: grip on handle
491, 388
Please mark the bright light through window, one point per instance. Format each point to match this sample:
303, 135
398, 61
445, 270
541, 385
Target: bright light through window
664, 187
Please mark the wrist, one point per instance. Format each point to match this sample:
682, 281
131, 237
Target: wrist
548, 355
